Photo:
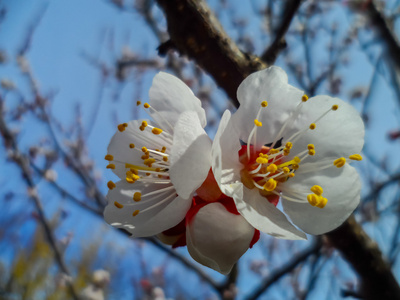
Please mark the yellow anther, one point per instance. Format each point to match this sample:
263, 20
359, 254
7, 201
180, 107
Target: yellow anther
142, 128
149, 161
146, 156
311, 152
288, 145
310, 146
109, 157
138, 103
304, 98
261, 160
323, 201
144, 149
257, 123
146, 105
118, 205
121, 127
131, 177
144, 124
313, 199
286, 152
335, 107
312, 126
355, 157
270, 185
111, 166
291, 175
156, 131
286, 170
297, 160
134, 171
264, 104
316, 189
148, 174
111, 185
163, 149
273, 151
131, 146
295, 166
135, 213
339, 162
158, 169
272, 168
165, 158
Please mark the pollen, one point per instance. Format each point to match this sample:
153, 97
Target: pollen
316, 189
311, 152
312, 126
156, 131
335, 107
134, 171
286, 170
261, 160
288, 145
135, 213
356, 157
273, 151
264, 104
163, 149
144, 124
122, 127
137, 196
138, 103
339, 162
291, 175
118, 205
310, 146
257, 123
111, 166
149, 161
109, 157
131, 146
146, 105
304, 98
142, 128
165, 158
313, 199
270, 185
272, 168
323, 201
111, 185
144, 149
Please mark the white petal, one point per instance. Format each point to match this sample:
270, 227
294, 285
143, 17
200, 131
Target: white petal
264, 216
190, 155
216, 238
225, 157
119, 146
339, 133
147, 223
342, 189
269, 85
170, 97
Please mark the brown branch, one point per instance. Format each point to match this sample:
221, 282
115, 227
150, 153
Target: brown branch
195, 32
279, 43
377, 280
23, 162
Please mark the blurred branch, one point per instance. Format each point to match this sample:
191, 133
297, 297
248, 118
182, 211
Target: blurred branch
195, 32
285, 269
23, 162
377, 280
279, 43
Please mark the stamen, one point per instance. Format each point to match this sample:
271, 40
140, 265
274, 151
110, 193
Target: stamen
146, 105
137, 196
111, 166
138, 103
257, 123
339, 162
312, 126
122, 127
111, 185
270, 185
131, 146
118, 205
316, 189
304, 98
357, 157
156, 131
135, 213
109, 157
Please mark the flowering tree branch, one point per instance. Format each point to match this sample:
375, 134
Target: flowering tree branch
195, 32
23, 162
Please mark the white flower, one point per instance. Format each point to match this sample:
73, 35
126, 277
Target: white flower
217, 235
297, 148
160, 162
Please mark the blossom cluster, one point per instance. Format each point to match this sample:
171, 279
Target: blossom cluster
281, 164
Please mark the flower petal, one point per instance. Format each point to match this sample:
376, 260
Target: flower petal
190, 155
216, 238
269, 85
264, 216
339, 133
122, 153
341, 186
161, 215
225, 156
170, 97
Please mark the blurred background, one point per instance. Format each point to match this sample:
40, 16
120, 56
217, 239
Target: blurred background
70, 71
